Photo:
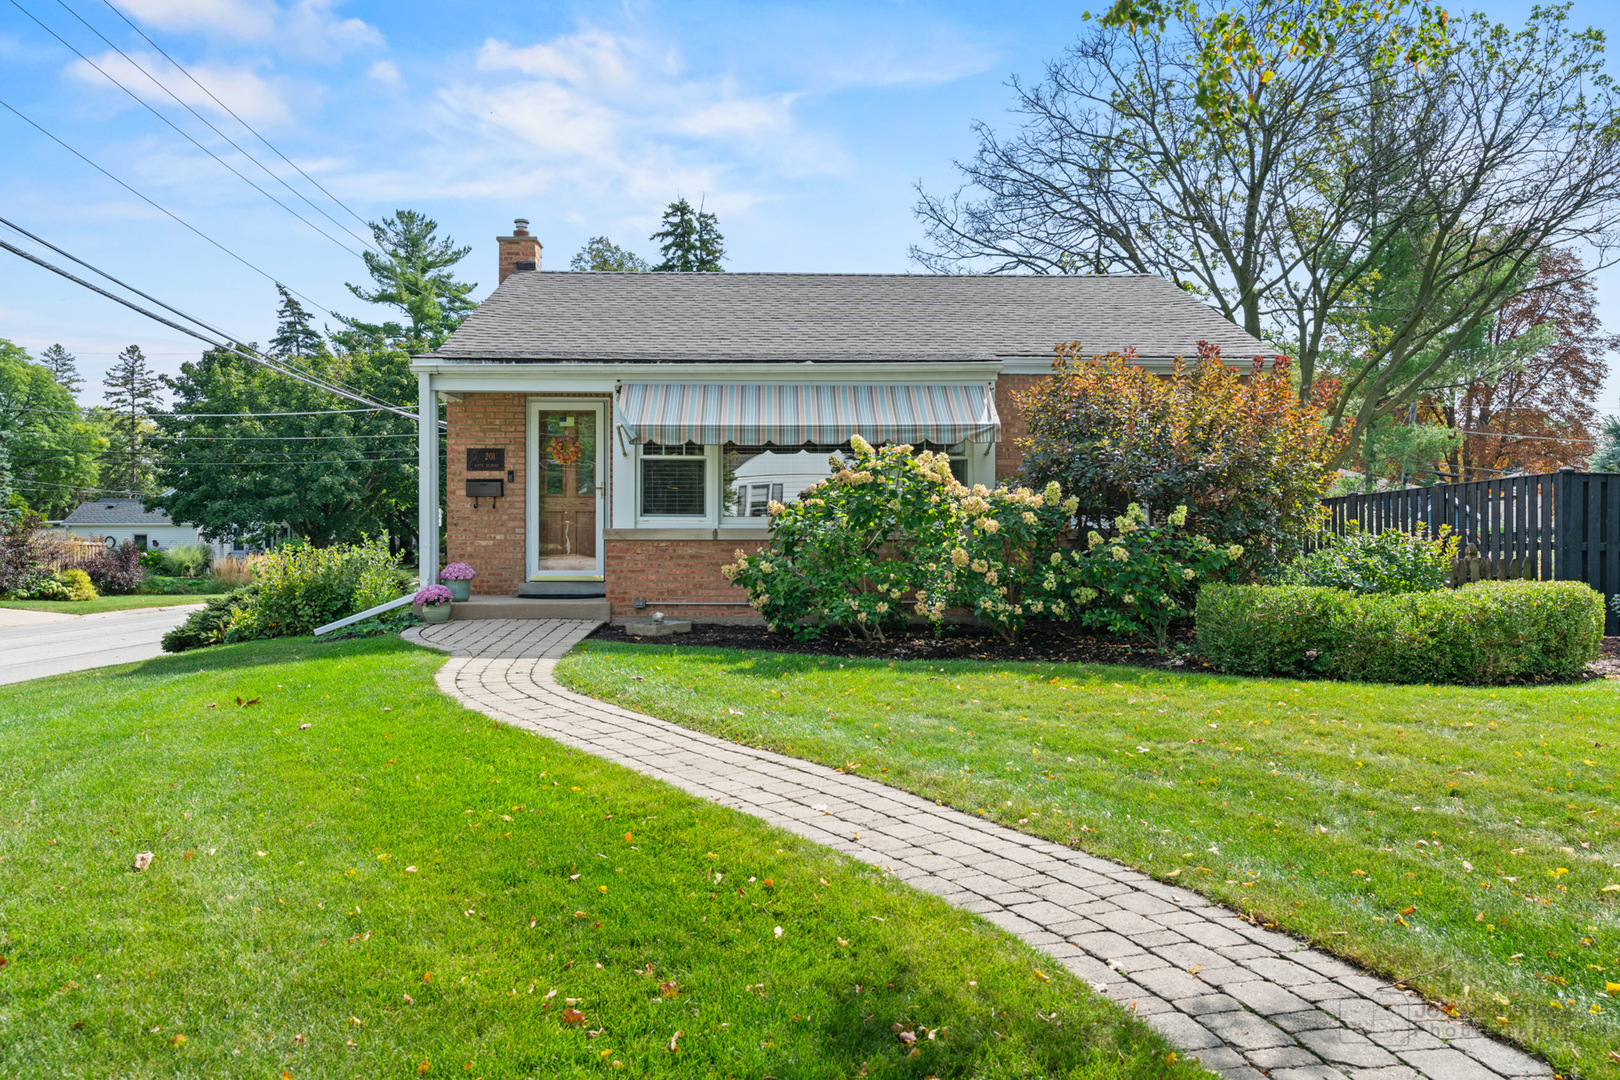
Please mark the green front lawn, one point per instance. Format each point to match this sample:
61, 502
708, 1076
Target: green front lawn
356, 877
1467, 839
100, 604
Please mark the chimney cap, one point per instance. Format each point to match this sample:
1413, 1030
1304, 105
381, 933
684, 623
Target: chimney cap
520, 227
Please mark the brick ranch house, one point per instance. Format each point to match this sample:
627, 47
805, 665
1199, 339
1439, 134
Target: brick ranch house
618, 435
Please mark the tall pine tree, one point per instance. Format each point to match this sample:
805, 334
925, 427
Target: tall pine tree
64, 368
296, 336
414, 276
131, 390
690, 240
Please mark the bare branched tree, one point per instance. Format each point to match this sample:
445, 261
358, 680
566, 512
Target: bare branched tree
1365, 214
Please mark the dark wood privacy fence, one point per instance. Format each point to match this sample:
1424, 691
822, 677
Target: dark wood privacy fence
1564, 525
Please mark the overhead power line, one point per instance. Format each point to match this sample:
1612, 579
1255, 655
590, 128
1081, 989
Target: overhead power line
307, 375
154, 204
155, 81
173, 463
182, 132
273, 149
191, 332
206, 415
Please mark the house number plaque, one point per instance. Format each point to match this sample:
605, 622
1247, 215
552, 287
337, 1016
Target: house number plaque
486, 458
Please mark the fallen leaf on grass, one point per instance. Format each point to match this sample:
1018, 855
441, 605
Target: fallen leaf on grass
841, 941
668, 989
421, 1070
409, 1000
305, 727
143, 860
573, 1017
672, 1038
178, 1040
1041, 975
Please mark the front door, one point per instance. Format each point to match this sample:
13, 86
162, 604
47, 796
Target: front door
566, 489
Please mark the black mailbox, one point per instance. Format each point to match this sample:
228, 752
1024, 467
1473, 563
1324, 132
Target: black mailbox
485, 489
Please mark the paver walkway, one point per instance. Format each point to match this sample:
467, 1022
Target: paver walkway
1238, 998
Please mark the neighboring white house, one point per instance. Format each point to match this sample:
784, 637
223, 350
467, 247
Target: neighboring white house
117, 520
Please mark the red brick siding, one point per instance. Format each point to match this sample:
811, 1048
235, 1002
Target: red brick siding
490, 537
513, 250
664, 572
1013, 427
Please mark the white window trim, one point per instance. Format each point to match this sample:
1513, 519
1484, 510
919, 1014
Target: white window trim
711, 496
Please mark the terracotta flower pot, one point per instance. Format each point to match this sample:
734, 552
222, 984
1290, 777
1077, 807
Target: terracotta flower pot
460, 590
434, 613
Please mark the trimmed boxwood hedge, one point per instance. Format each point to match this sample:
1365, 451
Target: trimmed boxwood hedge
1487, 632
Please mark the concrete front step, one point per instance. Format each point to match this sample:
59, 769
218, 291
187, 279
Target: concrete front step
525, 607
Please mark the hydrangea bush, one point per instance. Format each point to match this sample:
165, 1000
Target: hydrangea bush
845, 555
894, 535
1140, 580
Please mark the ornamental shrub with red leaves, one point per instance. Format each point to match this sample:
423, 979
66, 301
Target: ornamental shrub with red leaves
1238, 448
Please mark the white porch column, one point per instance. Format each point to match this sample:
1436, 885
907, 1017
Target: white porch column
427, 479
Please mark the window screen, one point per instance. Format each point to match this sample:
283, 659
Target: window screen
672, 481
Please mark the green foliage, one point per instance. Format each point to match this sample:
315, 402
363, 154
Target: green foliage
78, 584
690, 240
1242, 454
413, 276
1607, 457
209, 625
604, 256
41, 584
1391, 561
131, 390
187, 560
1141, 579
1488, 632
298, 588
48, 449
892, 534
331, 477
847, 553
168, 585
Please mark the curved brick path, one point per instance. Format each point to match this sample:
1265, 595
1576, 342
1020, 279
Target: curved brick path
1237, 998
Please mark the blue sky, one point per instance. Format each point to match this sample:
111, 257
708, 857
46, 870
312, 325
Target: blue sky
803, 126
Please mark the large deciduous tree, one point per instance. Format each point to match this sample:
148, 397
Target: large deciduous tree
1540, 413
48, 450
250, 452
413, 274
690, 240
1344, 159
604, 256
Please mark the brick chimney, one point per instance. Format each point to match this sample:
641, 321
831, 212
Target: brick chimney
519, 252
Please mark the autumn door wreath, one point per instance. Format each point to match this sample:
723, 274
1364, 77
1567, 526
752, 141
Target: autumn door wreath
566, 450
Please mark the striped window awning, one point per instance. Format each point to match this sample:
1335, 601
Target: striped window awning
760, 414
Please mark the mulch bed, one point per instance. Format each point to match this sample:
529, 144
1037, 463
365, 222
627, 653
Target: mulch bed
1040, 643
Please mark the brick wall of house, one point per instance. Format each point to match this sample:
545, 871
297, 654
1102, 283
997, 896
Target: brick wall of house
1013, 427
664, 571
490, 537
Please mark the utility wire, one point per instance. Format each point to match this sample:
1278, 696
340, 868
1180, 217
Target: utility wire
307, 375
181, 68
189, 332
155, 81
175, 463
208, 415
178, 129
156, 206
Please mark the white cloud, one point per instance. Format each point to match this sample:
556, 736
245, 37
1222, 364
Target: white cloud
617, 115
304, 27
387, 73
256, 99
